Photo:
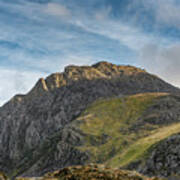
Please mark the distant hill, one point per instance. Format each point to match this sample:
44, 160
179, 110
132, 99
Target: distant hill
104, 113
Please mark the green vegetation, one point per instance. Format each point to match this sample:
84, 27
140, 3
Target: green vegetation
108, 127
140, 149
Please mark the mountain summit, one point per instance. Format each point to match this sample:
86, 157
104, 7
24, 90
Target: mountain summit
84, 114
132, 79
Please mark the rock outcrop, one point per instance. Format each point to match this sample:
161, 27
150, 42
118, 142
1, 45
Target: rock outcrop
164, 159
89, 172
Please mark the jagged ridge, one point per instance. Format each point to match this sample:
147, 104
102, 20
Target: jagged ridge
72, 73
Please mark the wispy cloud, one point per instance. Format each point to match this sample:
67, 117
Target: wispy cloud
129, 36
168, 12
16, 82
163, 61
162, 12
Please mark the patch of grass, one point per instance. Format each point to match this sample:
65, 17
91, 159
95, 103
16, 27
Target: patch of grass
112, 119
139, 150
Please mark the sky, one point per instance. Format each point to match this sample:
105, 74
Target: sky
40, 37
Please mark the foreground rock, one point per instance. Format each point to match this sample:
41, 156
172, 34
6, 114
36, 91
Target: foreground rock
3, 176
91, 172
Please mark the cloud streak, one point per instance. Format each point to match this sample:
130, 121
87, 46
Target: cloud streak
164, 61
163, 13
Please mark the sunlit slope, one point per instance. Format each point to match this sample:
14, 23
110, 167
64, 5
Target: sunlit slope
122, 130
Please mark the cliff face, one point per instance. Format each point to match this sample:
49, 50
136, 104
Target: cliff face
35, 137
164, 158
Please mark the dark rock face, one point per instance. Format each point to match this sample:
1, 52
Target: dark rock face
164, 111
164, 159
28, 122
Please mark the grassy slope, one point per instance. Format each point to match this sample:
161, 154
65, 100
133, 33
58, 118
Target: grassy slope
106, 124
139, 149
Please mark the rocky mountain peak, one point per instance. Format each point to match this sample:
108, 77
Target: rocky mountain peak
99, 71
73, 73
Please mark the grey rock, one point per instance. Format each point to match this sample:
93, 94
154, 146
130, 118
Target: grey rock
164, 160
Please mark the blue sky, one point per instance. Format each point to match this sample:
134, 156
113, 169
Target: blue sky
39, 37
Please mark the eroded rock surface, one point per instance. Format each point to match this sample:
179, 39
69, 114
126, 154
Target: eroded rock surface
164, 160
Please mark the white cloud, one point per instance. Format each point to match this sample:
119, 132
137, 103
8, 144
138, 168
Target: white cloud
165, 12
129, 36
164, 61
16, 82
168, 12
57, 9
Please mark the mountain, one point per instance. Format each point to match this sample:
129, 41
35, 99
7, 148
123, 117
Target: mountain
102, 113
